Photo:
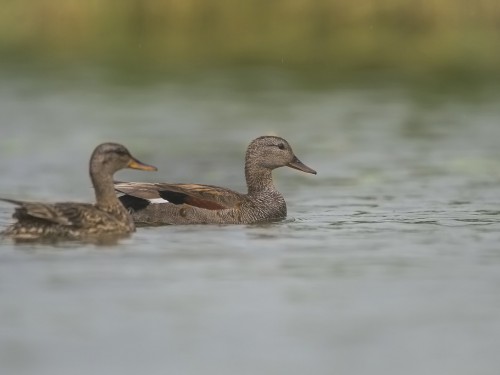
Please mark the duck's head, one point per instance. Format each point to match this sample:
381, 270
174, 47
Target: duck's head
273, 152
111, 157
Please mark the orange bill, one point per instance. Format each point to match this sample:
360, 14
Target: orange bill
136, 164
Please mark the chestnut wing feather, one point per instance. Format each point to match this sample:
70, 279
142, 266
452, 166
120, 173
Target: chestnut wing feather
203, 196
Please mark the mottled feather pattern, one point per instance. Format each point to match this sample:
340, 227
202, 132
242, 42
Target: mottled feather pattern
250, 210
68, 220
59, 213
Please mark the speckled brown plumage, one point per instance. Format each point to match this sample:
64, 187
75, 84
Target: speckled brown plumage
207, 204
70, 220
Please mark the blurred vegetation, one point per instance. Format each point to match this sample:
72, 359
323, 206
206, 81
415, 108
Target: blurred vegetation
457, 38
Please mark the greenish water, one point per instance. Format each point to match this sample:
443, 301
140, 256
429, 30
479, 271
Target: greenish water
388, 264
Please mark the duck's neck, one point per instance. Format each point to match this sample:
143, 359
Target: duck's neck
258, 178
104, 188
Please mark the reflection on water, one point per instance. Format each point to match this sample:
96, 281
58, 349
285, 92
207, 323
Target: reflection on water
109, 240
387, 264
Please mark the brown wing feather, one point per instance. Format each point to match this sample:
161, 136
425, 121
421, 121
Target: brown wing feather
203, 196
68, 214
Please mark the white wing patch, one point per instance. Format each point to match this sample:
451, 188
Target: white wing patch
158, 200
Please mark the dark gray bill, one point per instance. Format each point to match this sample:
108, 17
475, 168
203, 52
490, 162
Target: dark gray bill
297, 164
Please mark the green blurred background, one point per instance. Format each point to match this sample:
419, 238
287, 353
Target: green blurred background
450, 40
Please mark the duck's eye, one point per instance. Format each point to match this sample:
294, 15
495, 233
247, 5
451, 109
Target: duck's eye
281, 146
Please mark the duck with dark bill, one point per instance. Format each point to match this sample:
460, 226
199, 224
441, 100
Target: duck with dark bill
166, 203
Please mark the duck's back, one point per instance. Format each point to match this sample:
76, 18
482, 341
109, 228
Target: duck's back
66, 220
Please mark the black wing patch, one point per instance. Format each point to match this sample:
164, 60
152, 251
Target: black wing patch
133, 203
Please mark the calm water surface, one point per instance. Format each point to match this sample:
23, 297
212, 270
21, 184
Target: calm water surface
389, 262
